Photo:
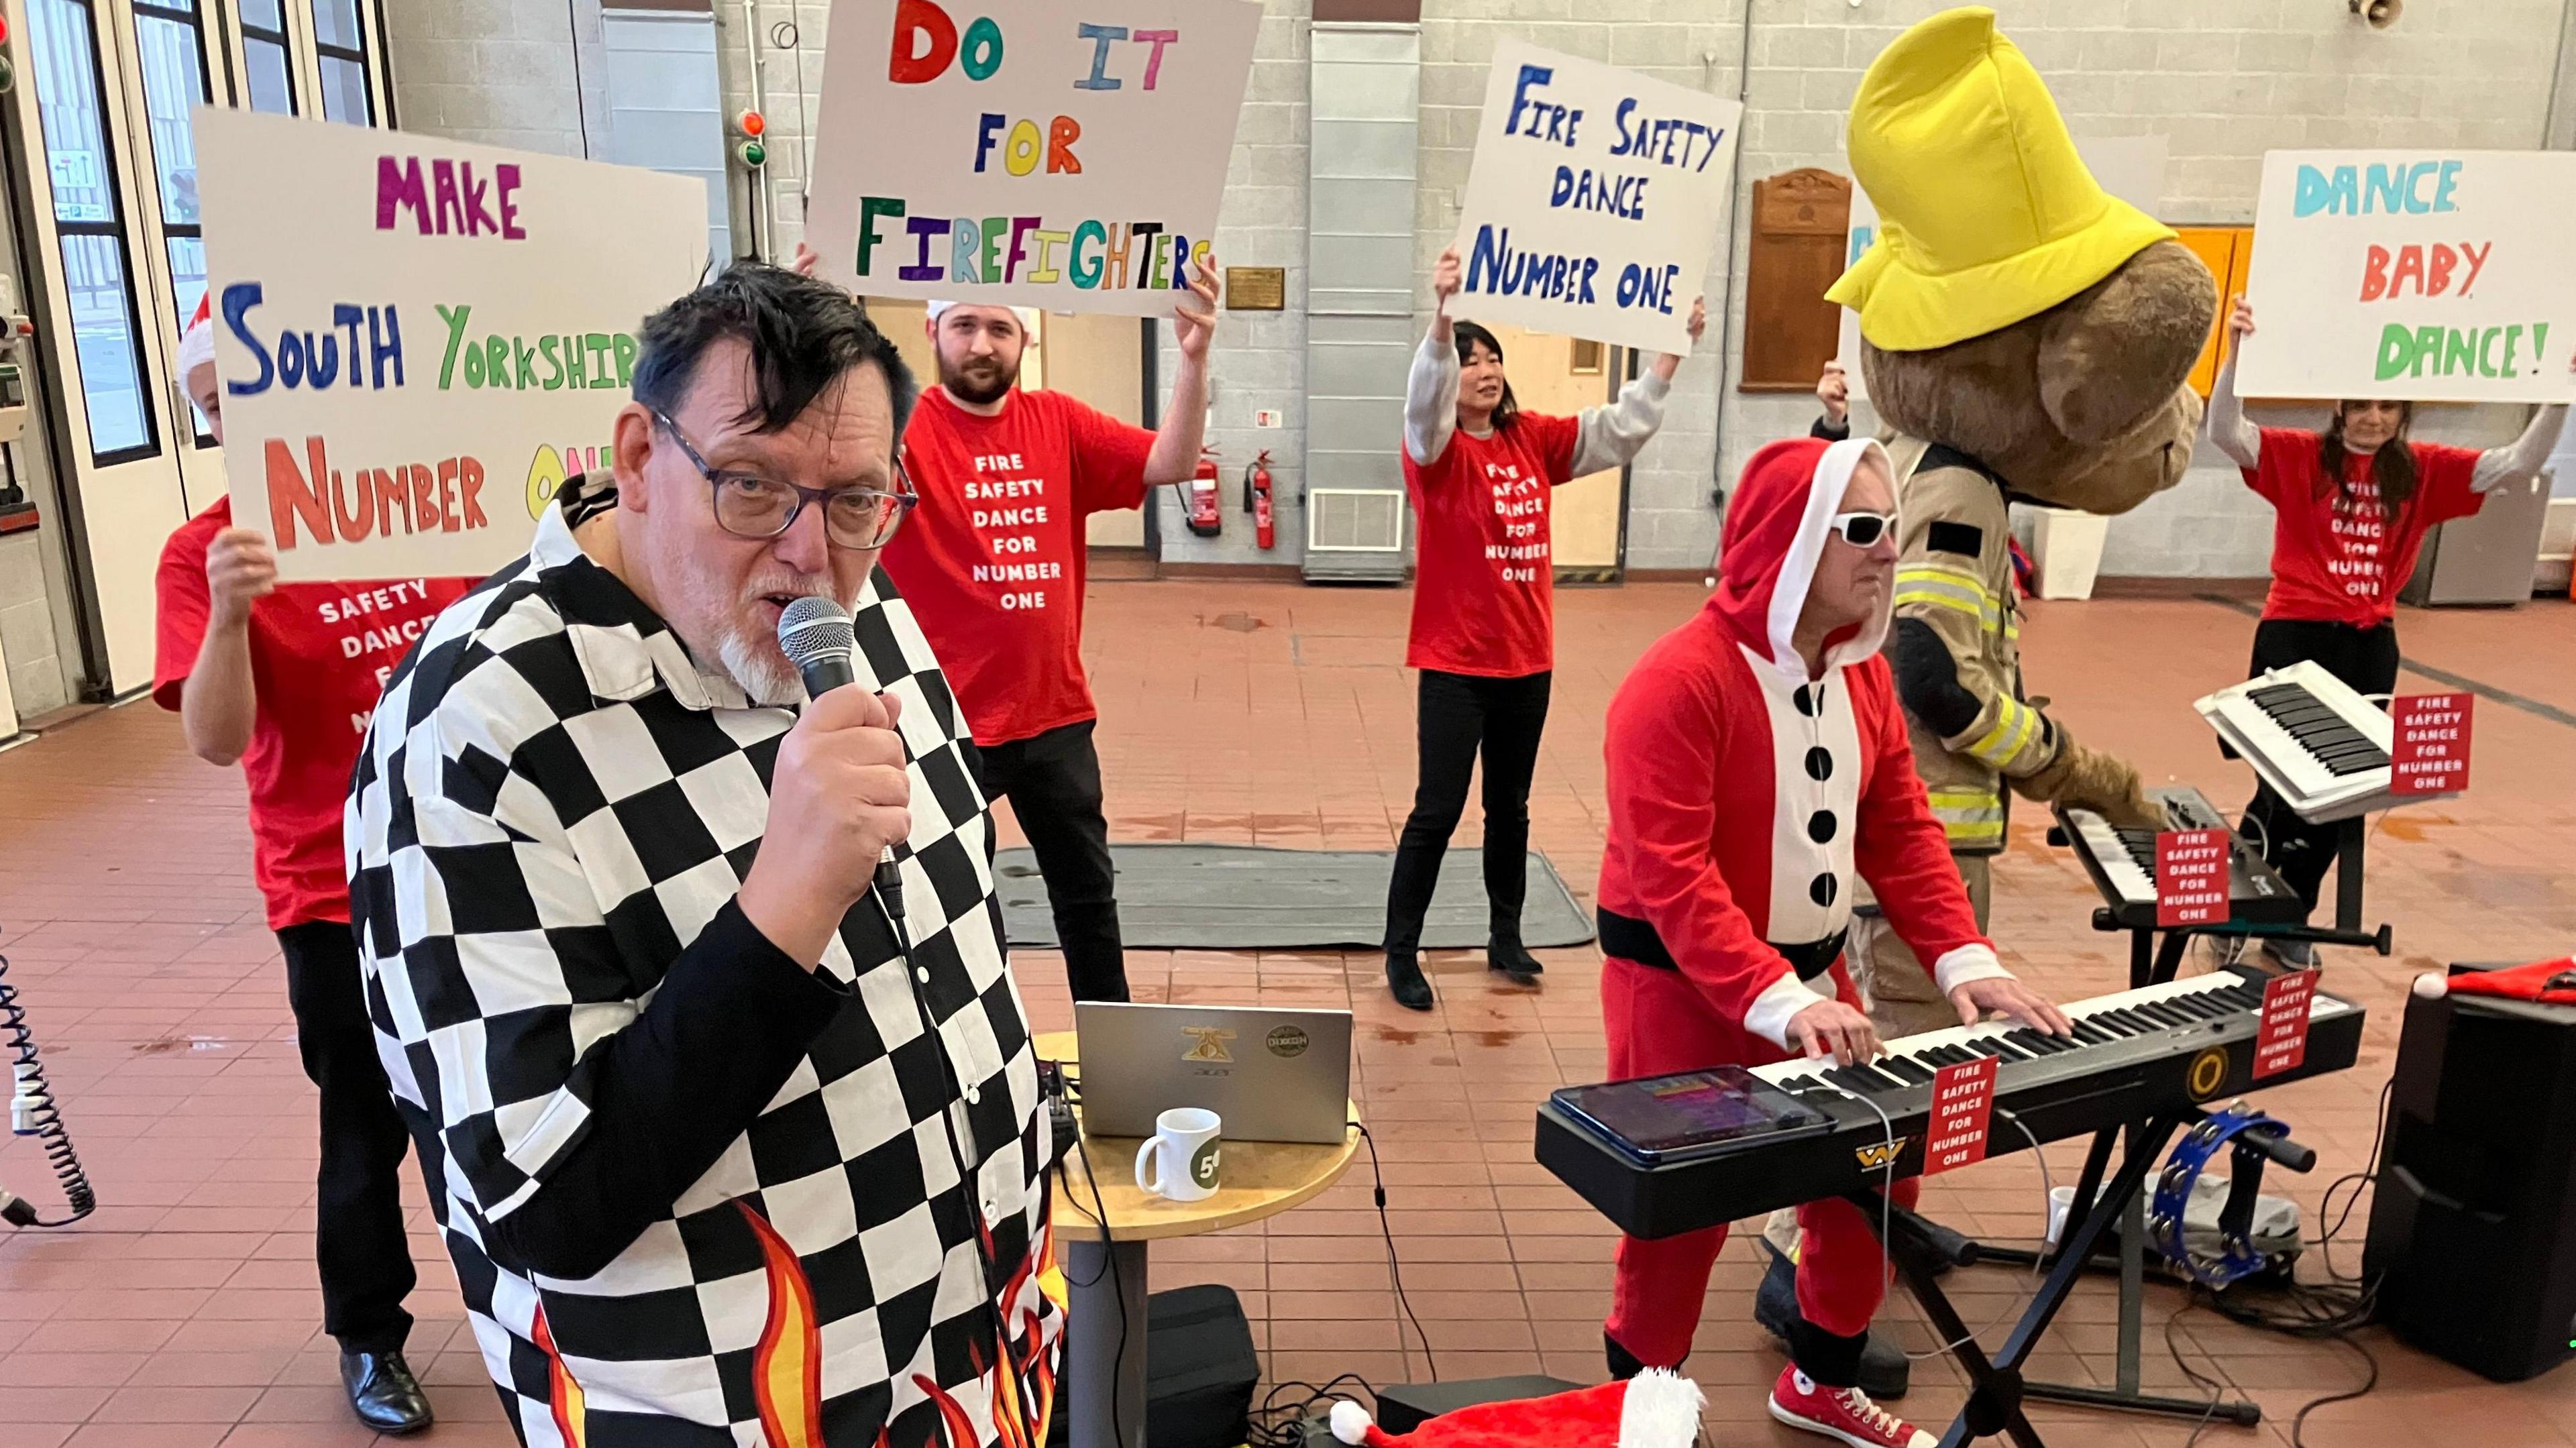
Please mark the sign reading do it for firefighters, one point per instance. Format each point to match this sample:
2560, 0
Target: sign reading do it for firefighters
1022, 153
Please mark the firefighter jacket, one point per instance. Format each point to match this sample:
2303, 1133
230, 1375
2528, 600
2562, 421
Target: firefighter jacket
1956, 646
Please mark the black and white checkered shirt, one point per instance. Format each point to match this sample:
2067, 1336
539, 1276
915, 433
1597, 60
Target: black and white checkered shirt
694, 1193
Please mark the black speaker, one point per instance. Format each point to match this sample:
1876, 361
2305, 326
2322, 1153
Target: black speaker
2472, 1236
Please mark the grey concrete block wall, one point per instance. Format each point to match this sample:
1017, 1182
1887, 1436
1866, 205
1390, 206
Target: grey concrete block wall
2222, 80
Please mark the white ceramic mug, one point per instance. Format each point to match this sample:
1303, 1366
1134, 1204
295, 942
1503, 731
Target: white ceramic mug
1179, 1160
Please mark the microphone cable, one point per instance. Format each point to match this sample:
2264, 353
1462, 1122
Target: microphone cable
33, 1112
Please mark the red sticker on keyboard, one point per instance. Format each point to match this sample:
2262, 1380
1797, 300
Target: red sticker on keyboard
2430, 753
2191, 878
1963, 1098
2281, 1042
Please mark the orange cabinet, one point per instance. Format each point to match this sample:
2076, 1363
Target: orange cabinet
2228, 251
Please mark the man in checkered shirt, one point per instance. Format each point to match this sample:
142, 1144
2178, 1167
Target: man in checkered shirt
692, 1122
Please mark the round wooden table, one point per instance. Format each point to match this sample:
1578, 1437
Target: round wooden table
1105, 1271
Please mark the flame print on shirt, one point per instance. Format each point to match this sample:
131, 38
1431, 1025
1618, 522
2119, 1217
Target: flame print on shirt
562, 1393
787, 1367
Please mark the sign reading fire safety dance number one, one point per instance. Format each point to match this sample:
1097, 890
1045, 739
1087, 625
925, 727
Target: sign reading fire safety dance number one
2436, 276
1027, 152
419, 339
1595, 200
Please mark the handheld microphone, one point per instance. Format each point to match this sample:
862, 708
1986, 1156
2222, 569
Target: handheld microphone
816, 636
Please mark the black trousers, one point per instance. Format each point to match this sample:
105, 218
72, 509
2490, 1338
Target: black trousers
2364, 658
1053, 783
358, 1240
1459, 717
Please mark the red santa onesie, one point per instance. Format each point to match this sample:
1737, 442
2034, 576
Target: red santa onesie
1742, 794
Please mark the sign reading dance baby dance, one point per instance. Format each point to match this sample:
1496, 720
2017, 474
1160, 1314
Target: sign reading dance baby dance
1595, 200
419, 339
2434, 276
1027, 152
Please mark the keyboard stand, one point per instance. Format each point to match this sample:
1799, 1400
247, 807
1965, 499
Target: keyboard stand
2150, 963
2348, 837
1996, 1387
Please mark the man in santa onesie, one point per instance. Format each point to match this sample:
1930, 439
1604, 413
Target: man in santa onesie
1757, 755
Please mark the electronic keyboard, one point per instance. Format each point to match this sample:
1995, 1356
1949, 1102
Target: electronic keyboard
2321, 746
2135, 1055
2122, 863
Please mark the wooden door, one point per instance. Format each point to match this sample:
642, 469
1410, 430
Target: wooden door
1559, 375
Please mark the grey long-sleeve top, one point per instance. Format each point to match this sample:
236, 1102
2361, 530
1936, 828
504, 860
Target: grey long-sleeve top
1611, 435
2515, 462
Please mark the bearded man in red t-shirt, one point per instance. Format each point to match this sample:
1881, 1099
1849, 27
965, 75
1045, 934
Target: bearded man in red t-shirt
991, 562
282, 678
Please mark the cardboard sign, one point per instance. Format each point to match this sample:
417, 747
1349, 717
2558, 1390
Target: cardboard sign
2129, 167
420, 339
1021, 153
2281, 1041
2429, 751
2437, 276
1595, 200
1963, 1101
2191, 878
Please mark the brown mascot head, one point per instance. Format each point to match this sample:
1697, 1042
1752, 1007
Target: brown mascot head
2011, 308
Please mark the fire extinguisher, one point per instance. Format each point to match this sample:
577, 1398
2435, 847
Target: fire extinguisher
1256, 499
1207, 515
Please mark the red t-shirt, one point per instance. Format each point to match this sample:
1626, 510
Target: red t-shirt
2335, 558
1483, 587
319, 654
992, 559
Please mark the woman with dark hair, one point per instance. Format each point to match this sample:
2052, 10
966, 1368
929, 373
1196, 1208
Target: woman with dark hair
2352, 506
1484, 632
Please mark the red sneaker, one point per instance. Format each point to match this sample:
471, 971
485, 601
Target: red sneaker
1844, 1413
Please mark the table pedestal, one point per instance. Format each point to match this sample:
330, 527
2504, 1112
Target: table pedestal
1105, 1346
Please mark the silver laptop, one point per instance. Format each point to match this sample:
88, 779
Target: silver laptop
1269, 1075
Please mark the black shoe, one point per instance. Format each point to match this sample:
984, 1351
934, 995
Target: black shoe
1504, 953
383, 1393
1623, 1363
1884, 1372
1404, 978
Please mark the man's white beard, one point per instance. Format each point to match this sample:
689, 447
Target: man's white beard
762, 673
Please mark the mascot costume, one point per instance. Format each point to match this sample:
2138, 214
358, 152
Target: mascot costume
2025, 335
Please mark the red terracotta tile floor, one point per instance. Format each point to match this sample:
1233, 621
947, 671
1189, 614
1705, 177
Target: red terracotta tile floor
184, 1312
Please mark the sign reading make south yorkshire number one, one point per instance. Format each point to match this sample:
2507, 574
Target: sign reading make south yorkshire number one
1595, 200
2432, 276
419, 339
1025, 152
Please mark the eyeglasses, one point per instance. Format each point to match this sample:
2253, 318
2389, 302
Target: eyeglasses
748, 505
1861, 530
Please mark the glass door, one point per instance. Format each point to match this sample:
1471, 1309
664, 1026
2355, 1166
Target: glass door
168, 76
91, 295
117, 265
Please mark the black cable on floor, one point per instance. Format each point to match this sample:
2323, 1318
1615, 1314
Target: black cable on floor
1395, 1268
1279, 1423
26, 1078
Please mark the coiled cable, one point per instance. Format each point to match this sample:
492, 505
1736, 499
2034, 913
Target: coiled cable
33, 1112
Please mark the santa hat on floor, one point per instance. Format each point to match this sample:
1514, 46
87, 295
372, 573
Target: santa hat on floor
1655, 1409
2547, 982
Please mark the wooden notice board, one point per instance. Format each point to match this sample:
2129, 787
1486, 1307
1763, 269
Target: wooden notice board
1800, 222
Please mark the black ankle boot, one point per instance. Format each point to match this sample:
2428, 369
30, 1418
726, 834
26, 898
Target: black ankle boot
1404, 978
1623, 1363
1503, 952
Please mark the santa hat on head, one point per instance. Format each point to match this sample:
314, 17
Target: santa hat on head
1028, 316
1655, 1409
197, 345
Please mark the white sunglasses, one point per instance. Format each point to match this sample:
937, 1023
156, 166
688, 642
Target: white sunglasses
1861, 530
